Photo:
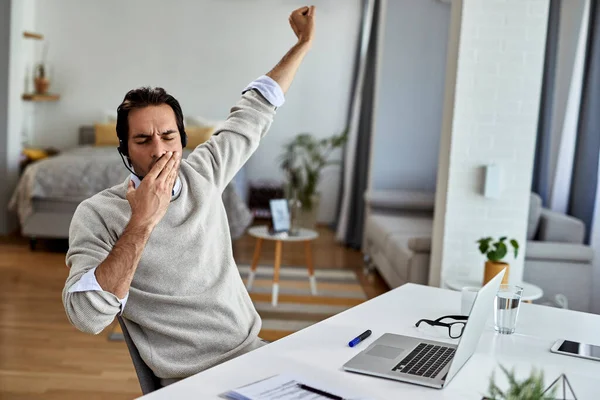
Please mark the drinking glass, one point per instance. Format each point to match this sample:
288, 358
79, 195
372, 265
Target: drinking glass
506, 308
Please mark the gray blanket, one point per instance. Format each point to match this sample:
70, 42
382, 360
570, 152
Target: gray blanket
76, 174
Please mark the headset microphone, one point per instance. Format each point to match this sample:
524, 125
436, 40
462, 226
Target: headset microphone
126, 166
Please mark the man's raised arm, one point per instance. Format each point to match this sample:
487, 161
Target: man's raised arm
221, 157
302, 22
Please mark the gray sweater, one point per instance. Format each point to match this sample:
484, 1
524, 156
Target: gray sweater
188, 308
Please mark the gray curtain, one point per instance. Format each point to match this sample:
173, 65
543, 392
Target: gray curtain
541, 165
585, 168
366, 53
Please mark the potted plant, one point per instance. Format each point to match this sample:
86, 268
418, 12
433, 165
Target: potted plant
531, 388
303, 160
41, 79
495, 253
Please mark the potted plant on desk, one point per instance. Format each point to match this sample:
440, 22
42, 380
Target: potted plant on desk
531, 388
495, 253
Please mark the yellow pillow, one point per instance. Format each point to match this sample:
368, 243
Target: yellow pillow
106, 134
35, 154
197, 135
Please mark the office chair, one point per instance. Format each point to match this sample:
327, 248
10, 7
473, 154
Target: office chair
148, 381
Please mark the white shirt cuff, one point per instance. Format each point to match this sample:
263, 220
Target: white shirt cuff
269, 89
89, 282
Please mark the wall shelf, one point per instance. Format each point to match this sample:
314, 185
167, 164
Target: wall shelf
41, 97
33, 35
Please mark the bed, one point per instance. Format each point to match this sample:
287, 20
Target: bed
50, 190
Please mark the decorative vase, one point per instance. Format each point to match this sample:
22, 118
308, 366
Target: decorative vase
295, 208
41, 78
41, 85
308, 217
492, 269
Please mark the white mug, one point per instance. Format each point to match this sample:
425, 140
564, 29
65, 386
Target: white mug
468, 294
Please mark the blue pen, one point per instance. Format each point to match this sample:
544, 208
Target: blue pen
359, 338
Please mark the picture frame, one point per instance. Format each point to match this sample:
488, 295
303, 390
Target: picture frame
280, 215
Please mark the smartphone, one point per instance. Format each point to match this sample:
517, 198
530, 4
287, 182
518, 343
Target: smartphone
576, 349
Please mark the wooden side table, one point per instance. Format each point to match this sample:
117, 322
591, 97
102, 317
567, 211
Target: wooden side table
262, 233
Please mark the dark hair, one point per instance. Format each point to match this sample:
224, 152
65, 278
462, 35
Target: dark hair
140, 98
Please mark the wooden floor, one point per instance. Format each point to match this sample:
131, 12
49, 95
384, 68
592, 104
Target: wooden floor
43, 357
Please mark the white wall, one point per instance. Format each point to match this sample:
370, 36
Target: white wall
204, 53
410, 99
491, 117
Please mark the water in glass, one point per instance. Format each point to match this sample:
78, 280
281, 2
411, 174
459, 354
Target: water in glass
506, 308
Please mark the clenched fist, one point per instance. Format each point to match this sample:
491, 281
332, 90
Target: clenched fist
302, 22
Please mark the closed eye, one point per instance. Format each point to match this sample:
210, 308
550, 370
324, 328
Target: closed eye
167, 135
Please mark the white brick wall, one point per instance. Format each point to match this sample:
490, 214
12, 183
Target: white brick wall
490, 117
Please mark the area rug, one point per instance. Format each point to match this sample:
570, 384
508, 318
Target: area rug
338, 290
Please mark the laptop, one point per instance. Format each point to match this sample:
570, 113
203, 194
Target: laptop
427, 362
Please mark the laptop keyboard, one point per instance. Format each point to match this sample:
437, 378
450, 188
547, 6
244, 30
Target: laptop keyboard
425, 360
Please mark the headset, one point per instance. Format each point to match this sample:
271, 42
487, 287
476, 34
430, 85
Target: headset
123, 150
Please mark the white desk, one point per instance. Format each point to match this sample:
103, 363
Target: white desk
318, 352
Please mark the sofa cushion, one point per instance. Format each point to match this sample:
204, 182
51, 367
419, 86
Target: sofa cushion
399, 253
380, 227
558, 252
572, 280
421, 244
557, 227
535, 211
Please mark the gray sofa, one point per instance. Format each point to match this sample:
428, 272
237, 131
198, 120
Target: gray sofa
397, 242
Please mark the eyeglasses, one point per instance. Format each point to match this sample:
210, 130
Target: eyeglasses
455, 329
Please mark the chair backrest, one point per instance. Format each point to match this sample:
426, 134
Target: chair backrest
148, 381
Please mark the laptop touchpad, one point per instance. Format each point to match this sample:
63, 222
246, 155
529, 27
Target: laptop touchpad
385, 351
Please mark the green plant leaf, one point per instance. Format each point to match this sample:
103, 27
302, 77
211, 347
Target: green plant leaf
494, 392
531, 388
510, 375
498, 253
515, 246
484, 245
303, 160
503, 238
